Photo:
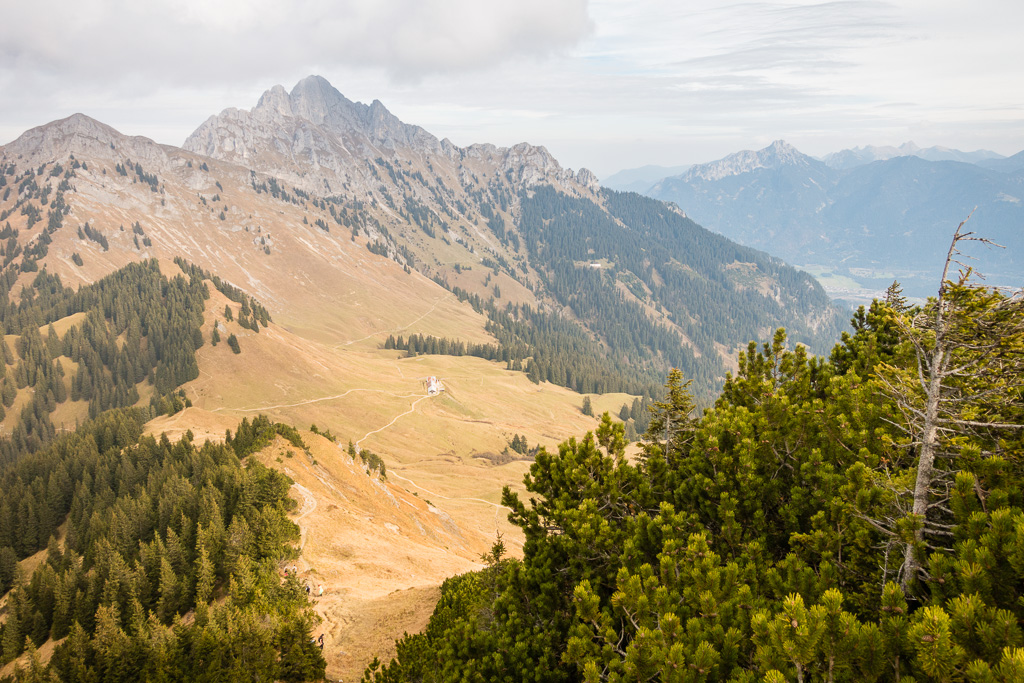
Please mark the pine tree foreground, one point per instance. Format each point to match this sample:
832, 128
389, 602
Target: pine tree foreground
792, 532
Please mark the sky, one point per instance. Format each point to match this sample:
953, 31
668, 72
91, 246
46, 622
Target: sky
603, 84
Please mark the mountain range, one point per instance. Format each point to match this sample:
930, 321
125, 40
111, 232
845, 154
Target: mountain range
454, 215
858, 156
862, 218
348, 258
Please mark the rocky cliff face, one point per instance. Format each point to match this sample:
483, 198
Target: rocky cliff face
300, 122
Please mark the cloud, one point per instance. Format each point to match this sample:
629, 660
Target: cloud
203, 41
602, 83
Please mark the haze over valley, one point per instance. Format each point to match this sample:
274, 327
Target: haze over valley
859, 219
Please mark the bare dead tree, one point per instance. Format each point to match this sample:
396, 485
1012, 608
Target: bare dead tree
968, 345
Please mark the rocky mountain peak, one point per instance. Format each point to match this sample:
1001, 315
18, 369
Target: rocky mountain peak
82, 135
909, 147
783, 152
313, 121
776, 155
315, 137
317, 101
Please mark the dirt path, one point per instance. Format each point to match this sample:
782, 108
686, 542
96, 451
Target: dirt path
308, 505
397, 329
350, 527
434, 494
310, 401
411, 410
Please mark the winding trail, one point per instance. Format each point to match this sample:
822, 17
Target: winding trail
434, 494
412, 409
396, 329
392, 473
308, 505
312, 400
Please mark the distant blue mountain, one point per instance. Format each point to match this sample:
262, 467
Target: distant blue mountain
870, 223
1014, 164
640, 179
858, 156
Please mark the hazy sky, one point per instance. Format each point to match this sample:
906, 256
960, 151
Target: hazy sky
606, 84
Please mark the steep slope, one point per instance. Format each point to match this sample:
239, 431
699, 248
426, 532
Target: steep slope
378, 550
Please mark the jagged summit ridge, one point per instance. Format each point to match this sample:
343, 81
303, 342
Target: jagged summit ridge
315, 137
779, 153
316, 100
293, 123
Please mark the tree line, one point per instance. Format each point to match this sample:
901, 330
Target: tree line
547, 347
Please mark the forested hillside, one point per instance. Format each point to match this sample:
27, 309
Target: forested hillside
134, 328
686, 289
167, 568
852, 517
160, 558
632, 289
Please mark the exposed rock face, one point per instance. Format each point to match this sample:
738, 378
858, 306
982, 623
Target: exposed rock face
314, 118
585, 177
317, 139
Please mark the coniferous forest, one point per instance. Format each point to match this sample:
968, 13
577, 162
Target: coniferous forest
852, 517
155, 531
159, 318
166, 564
